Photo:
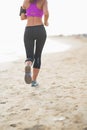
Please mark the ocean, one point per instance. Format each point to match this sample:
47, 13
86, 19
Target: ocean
14, 51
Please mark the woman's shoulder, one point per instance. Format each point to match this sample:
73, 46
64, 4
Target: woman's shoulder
45, 2
26, 3
41, 1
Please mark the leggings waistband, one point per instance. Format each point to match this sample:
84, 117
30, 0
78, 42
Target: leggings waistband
35, 26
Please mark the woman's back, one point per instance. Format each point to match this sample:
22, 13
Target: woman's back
34, 11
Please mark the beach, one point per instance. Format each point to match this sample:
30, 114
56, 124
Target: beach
60, 100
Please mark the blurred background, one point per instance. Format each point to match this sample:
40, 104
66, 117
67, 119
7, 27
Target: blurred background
67, 17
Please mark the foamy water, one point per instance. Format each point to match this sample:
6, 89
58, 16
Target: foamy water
14, 51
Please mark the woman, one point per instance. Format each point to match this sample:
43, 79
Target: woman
34, 35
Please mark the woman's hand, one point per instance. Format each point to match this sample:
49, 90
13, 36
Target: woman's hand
46, 23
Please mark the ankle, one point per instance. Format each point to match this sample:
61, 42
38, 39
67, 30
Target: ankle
29, 63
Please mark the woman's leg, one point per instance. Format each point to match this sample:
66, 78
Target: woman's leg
35, 74
29, 48
37, 58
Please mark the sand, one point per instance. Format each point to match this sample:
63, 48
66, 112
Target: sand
60, 100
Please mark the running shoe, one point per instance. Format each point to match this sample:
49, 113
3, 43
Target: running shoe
34, 84
27, 77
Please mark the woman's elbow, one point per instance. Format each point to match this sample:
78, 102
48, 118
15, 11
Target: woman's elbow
23, 17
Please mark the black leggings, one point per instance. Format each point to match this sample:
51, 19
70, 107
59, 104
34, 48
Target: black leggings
34, 40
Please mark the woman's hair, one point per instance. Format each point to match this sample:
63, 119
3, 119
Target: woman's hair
32, 1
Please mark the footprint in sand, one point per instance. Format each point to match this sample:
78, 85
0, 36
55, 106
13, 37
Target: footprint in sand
2, 102
85, 128
37, 127
25, 109
13, 125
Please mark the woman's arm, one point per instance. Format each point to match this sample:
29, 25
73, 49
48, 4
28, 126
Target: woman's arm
22, 13
46, 13
23, 10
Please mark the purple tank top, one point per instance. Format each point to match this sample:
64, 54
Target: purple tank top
33, 10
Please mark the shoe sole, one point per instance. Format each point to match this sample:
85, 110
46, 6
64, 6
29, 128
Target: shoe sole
27, 77
34, 85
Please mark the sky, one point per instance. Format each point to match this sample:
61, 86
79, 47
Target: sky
66, 17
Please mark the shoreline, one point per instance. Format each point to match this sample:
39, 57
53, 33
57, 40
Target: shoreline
54, 44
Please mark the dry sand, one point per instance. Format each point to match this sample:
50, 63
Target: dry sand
60, 101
